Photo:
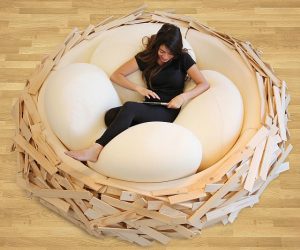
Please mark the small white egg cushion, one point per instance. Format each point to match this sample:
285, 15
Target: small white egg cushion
150, 152
76, 99
118, 47
215, 116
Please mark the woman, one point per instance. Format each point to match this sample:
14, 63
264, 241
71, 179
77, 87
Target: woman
164, 65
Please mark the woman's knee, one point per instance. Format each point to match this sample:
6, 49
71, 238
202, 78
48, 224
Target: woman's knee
110, 115
130, 106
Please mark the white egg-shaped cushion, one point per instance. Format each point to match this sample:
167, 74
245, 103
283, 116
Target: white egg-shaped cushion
119, 46
150, 152
215, 116
76, 99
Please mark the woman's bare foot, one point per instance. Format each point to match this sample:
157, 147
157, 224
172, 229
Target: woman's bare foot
89, 154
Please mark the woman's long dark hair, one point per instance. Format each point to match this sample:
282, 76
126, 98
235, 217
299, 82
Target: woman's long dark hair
168, 35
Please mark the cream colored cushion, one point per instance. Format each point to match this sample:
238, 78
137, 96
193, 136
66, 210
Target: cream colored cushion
211, 54
150, 152
119, 46
215, 116
76, 99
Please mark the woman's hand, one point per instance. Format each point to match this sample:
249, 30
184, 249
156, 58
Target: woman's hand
146, 92
176, 102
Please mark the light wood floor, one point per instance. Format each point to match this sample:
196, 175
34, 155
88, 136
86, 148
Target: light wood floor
31, 28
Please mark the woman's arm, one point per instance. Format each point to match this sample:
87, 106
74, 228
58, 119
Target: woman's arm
120, 77
201, 86
201, 83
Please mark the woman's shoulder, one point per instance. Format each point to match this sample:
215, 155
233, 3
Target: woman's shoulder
186, 60
141, 63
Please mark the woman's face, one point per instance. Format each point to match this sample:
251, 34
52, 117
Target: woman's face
164, 54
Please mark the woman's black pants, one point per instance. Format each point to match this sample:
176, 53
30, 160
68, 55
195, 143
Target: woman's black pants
132, 113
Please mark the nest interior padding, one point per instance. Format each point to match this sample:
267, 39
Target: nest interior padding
105, 209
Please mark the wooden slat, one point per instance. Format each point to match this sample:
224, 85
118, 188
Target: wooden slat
262, 94
35, 154
218, 195
37, 80
31, 107
151, 232
142, 211
254, 166
261, 63
280, 113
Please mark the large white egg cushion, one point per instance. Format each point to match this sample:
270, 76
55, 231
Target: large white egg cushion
150, 152
215, 116
119, 46
76, 99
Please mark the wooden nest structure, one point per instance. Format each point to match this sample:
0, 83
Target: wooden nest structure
103, 207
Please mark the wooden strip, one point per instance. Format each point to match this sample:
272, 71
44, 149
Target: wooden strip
211, 188
239, 156
193, 219
92, 214
261, 63
105, 208
280, 113
187, 233
162, 19
16, 114
169, 191
106, 20
281, 159
186, 197
132, 237
237, 196
55, 54
80, 176
142, 211
154, 205
270, 97
112, 219
243, 56
150, 222
59, 55
74, 40
254, 166
25, 131
200, 27
59, 203
70, 217
35, 154
31, 107
71, 35
128, 196
42, 145
116, 23
220, 212
173, 16
283, 167
54, 193
113, 191
37, 80
89, 30
266, 161
35, 168
171, 212
206, 224
260, 135
262, 94
21, 162
151, 232
78, 212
